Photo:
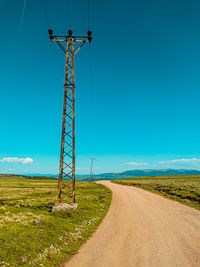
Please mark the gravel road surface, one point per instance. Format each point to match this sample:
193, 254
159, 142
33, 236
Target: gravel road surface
142, 229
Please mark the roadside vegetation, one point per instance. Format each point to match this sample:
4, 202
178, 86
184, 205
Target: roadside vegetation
31, 235
182, 188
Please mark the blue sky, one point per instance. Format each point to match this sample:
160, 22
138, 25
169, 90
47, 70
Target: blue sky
140, 110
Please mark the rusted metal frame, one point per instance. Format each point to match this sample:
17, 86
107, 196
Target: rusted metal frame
75, 40
64, 192
69, 116
68, 172
70, 61
63, 132
69, 74
66, 168
79, 47
73, 126
67, 154
69, 107
67, 193
70, 150
69, 94
68, 165
68, 84
69, 112
67, 175
68, 144
68, 186
65, 37
61, 46
68, 135
67, 158
69, 125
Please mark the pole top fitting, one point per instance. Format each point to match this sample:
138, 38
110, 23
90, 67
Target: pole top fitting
89, 36
70, 32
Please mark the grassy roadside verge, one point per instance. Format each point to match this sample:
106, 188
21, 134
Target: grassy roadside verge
31, 235
182, 188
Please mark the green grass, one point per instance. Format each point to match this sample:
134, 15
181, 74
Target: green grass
182, 188
31, 235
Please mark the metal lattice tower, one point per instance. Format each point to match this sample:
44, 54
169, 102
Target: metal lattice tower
91, 172
67, 154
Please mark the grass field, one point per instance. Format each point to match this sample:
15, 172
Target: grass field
31, 235
182, 188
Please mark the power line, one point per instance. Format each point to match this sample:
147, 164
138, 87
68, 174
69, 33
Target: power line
88, 14
49, 26
45, 13
68, 15
91, 78
22, 17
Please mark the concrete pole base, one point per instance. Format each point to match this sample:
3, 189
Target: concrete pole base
65, 206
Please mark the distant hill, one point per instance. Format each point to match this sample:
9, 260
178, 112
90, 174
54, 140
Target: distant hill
113, 176
139, 173
32, 176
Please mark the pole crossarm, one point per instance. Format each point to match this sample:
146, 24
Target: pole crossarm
72, 45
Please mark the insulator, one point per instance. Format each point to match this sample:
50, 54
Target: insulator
89, 36
70, 32
50, 31
50, 34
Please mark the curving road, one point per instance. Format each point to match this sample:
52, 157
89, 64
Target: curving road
142, 229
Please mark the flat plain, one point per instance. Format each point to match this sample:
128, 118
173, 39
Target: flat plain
31, 235
182, 188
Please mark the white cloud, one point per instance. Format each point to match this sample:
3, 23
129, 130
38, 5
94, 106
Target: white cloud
18, 160
192, 160
136, 163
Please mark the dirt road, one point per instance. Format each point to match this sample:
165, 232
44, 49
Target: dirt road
142, 229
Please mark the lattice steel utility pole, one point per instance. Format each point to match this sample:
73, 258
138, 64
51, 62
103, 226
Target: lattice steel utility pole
67, 154
91, 173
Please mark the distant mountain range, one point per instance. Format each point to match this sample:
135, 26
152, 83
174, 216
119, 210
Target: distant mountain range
130, 173
140, 173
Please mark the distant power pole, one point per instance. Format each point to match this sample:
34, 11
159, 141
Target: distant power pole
67, 153
91, 173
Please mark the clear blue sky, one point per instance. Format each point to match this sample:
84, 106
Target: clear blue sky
143, 108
